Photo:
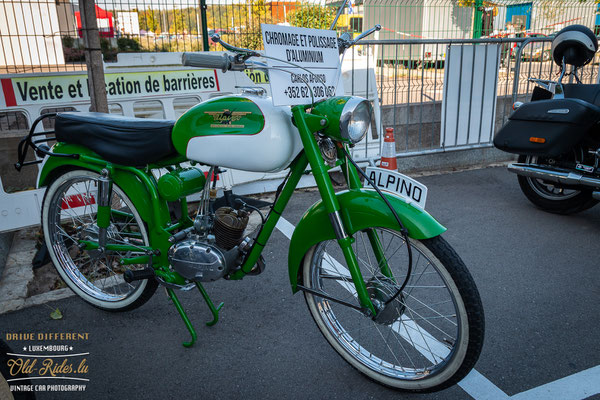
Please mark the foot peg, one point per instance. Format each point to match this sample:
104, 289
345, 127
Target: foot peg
146, 273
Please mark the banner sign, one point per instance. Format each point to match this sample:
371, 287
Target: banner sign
31, 90
314, 52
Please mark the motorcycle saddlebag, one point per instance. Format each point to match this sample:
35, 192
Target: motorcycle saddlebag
547, 127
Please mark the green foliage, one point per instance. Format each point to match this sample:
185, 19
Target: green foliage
68, 41
177, 21
149, 20
72, 53
258, 13
56, 314
105, 45
178, 45
313, 16
125, 44
227, 17
109, 53
173, 21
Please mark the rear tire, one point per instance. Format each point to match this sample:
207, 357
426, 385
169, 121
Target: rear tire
69, 216
552, 199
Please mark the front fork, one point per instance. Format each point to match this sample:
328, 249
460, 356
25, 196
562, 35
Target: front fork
332, 206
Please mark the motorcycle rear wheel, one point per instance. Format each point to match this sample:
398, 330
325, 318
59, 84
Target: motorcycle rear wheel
438, 327
68, 216
550, 198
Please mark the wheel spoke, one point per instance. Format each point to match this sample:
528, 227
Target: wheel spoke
95, 274
426, 328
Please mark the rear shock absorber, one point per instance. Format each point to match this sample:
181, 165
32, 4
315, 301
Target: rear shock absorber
103, 217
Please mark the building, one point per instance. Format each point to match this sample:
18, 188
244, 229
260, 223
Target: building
30, 33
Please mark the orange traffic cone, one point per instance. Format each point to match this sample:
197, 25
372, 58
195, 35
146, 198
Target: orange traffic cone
388, 152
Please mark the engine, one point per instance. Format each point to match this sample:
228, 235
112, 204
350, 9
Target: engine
213, 254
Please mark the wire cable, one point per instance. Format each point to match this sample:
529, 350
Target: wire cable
403, 229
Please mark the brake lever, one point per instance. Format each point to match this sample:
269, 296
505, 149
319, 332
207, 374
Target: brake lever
345, 41
242, 54
365, 34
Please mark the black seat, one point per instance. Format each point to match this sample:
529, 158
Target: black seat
589, 93
120, 140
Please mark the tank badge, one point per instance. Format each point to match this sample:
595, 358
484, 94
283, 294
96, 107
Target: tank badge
226, 118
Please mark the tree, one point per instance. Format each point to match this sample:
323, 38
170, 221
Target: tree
149, 20
177, 21
313, 16
256, 13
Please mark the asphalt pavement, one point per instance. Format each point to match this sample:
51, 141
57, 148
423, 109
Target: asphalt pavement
537, 273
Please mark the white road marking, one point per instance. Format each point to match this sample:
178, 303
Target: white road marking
474, 383
285, 227
577, 386
574, 387
481, 388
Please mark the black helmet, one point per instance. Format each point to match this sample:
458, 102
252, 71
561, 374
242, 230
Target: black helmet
577, 44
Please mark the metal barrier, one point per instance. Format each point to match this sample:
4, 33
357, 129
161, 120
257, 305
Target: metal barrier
45, 35
414, 90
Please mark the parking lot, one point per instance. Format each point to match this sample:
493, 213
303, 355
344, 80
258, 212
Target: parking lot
537, 273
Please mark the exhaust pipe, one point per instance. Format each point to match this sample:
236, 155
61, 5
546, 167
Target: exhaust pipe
562, 176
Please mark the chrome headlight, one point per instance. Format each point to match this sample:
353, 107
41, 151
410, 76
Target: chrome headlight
356, 119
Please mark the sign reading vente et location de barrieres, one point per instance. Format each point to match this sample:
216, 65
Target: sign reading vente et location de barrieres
47, 88
313, 50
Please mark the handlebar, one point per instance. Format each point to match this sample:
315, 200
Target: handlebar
226, 62
344, 43
367, 33
245, 53
223, 62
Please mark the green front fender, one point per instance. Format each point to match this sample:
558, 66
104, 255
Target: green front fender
133, 186
359, 209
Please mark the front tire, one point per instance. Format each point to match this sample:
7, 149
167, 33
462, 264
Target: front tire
553, 199
437, 332
68, 217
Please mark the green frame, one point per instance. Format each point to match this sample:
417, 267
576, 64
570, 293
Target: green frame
357, 209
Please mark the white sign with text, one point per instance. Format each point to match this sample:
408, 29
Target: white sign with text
314, 53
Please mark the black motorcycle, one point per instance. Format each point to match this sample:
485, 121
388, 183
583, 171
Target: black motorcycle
557, 134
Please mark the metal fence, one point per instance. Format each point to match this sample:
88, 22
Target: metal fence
412, 86
45, 35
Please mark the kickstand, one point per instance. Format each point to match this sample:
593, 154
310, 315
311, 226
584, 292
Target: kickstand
214, 310
186, 320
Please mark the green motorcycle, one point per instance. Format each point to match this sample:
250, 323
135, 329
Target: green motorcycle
384, 288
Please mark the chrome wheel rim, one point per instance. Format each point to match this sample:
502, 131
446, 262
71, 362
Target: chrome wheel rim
547, 190
422, 340
72, 218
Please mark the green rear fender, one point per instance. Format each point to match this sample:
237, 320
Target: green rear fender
132, 185
359, 209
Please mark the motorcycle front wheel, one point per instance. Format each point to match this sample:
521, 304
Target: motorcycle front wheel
432, 337
550, 198
69, 217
